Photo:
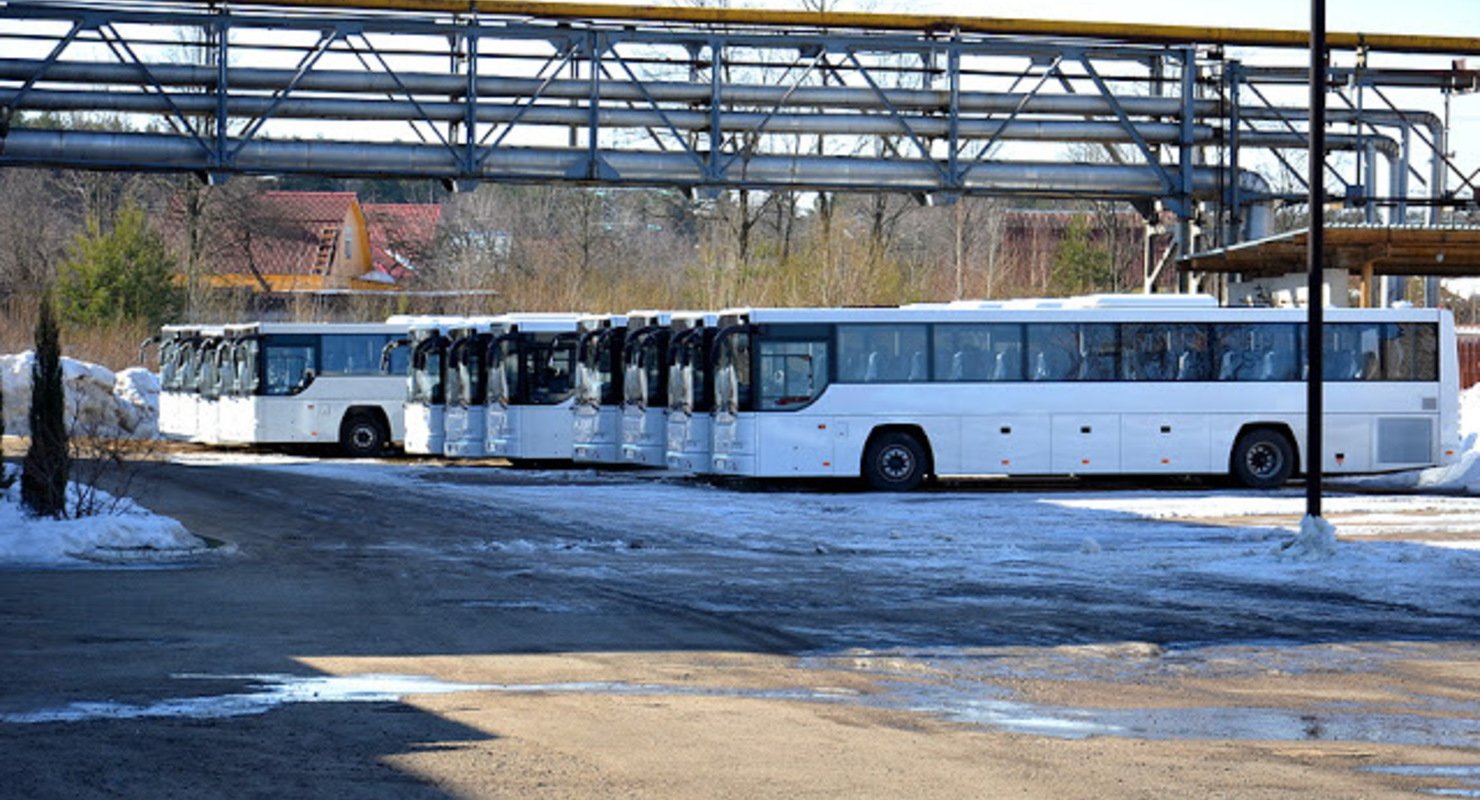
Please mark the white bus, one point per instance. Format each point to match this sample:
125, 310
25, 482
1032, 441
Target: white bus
691, 392
309, 383
175, 345
187, 399
424, 410
466, 419
645, 388
597, 423
531, 387
1085, 386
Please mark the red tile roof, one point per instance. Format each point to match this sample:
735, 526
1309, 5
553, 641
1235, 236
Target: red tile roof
401, 235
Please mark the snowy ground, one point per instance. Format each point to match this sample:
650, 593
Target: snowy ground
129, 535
1227, 551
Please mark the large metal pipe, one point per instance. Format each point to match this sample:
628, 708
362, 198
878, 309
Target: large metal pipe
806, 20
444, 86
142, 151
839, 124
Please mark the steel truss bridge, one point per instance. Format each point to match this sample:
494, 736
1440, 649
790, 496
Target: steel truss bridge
1167, 118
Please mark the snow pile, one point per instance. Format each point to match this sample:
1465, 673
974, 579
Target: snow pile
99, 402
131, 534
1315, 542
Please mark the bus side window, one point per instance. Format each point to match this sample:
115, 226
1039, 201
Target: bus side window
1194, 362
1053, 351
1099, 349
1425, 350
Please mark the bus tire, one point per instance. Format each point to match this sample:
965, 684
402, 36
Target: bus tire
1262, 459
895, 461
362, 436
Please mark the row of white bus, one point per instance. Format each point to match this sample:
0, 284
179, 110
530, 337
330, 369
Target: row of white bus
1081, 386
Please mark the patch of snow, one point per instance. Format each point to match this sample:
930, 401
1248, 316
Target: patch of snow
130, 535
274, 691
1315, 542
99, 402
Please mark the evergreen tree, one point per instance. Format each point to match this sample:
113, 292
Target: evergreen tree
124, 273
1081, 266
47, 465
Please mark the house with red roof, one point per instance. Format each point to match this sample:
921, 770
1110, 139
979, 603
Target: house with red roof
326, 242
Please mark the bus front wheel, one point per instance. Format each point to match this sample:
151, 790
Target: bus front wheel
1263, 459
894, 462
362, 436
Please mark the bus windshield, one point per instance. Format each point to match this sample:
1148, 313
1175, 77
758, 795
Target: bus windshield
467, 381
244, 356
552, 365
594, 384
169, 364
687, 373
503, 370
427, 371
732, 386
644, 384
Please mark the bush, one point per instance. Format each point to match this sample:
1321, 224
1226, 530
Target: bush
123, 274
47, 466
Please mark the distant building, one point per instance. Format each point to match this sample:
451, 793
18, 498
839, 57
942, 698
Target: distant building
326, 243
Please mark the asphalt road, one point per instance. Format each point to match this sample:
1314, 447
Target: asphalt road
329, 569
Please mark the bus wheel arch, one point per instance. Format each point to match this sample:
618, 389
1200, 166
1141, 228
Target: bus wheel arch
1264, 455
364, 432
897, 458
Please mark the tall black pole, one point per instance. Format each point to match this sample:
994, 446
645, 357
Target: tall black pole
1315, 260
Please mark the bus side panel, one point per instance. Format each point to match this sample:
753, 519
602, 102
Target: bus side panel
464, 433
1348, 443
1008, 444
689, 437
425, 428
503, 430
734, 444
1086, 443
799, 445
1175, 443
596, 433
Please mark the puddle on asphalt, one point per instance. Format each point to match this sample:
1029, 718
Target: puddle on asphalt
1464, 774
1327, 723
273, 691
956, 693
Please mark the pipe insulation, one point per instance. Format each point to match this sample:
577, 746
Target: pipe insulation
166, 152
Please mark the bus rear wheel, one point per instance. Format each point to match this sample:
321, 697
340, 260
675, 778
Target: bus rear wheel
1263, 459
362, 436
894, 462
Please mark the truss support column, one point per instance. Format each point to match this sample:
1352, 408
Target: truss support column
953, 68
222, 27
470, 104
1235, 76
716, 135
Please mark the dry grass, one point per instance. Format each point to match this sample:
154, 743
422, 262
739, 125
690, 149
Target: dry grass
115, 345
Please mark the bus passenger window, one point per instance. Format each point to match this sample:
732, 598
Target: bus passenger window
978, 352
1053, 352
882, 353
1351, 353
1148, 352
1099, 349
1190, 344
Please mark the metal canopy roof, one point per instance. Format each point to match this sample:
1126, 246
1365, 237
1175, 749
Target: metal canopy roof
1362, 249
